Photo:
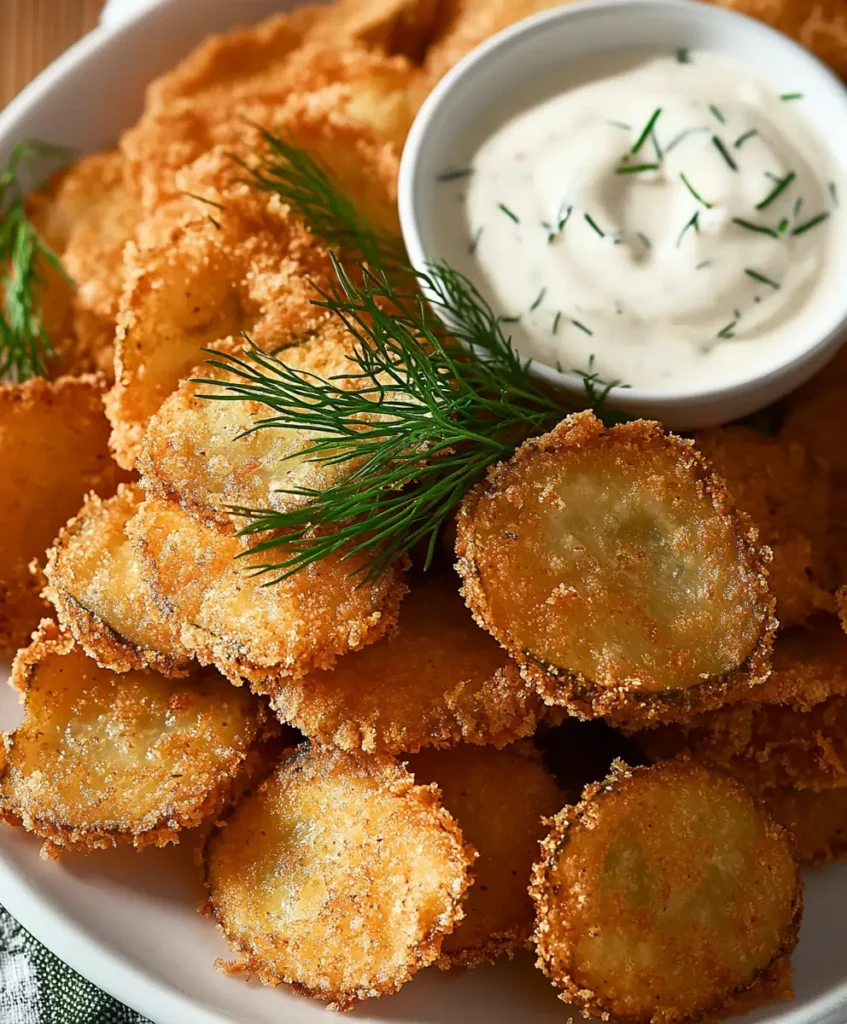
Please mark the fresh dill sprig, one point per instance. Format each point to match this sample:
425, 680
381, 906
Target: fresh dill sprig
425, 419
590, 220
556, 321
581, 326
813, 223
762, 229
539, 299
694, 192
739, 142
724, 152
301, 180
25, 348
636, 168
509, 213
763, 278
781, 185
694, 222
646, 131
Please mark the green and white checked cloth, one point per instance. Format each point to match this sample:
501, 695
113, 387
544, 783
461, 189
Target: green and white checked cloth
37, 988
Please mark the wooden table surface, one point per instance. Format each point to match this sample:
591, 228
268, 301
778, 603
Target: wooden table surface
34, 32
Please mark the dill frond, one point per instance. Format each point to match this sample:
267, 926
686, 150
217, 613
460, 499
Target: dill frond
25, 349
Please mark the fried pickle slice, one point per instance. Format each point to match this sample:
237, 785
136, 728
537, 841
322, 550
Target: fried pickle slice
786, 494
615, 569
339, 876
663, 893
818, 821
499, 798
87, 214
206, 455
253, 632
436, 681
54, 438
102, 759
195, 283
790, 731
96, 585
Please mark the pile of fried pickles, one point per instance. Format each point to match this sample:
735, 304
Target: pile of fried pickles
386, 775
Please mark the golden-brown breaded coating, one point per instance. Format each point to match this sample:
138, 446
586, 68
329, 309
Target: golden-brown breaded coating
500, 799
195, 282
615, 568
231, 619
393, 26
820, 25
790, 731
818, 821
663, 893
357, 91
54, 438
338, 876
785, 491
96, 585
814, 416
102, 759
436, 681
87, 214
204, 452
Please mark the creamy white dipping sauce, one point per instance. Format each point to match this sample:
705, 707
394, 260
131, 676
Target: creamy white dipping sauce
671, 223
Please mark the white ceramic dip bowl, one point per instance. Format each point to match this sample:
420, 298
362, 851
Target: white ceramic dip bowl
517, 68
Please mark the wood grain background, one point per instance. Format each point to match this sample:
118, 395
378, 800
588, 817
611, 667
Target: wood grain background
34, 32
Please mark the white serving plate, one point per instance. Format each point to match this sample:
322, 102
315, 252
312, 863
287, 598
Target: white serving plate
128, 921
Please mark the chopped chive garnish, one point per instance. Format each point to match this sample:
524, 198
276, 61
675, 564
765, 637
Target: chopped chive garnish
726, 332
642, 138
582, 327
556, 320
509, 213
750, 226
538, 301
783, 226
761, 277
644, 239
594, 224
203, 199
791, 96
833, 191
683, 56
509, 319
455, 175
693, 223
739, 142
721, 148
620, 124
813, 223
717, 113
694, 192
637, 168
705, 263
475, 243
781, 186
684, 135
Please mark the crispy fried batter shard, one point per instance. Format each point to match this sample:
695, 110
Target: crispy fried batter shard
436, 681
99, 592
87, 214
103, 759
790, 731
786, 494
818, 821
665, 891
499, 798
54, 438
339, 876
615, 569
464, 24
195, 283
250, 631
205, 453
